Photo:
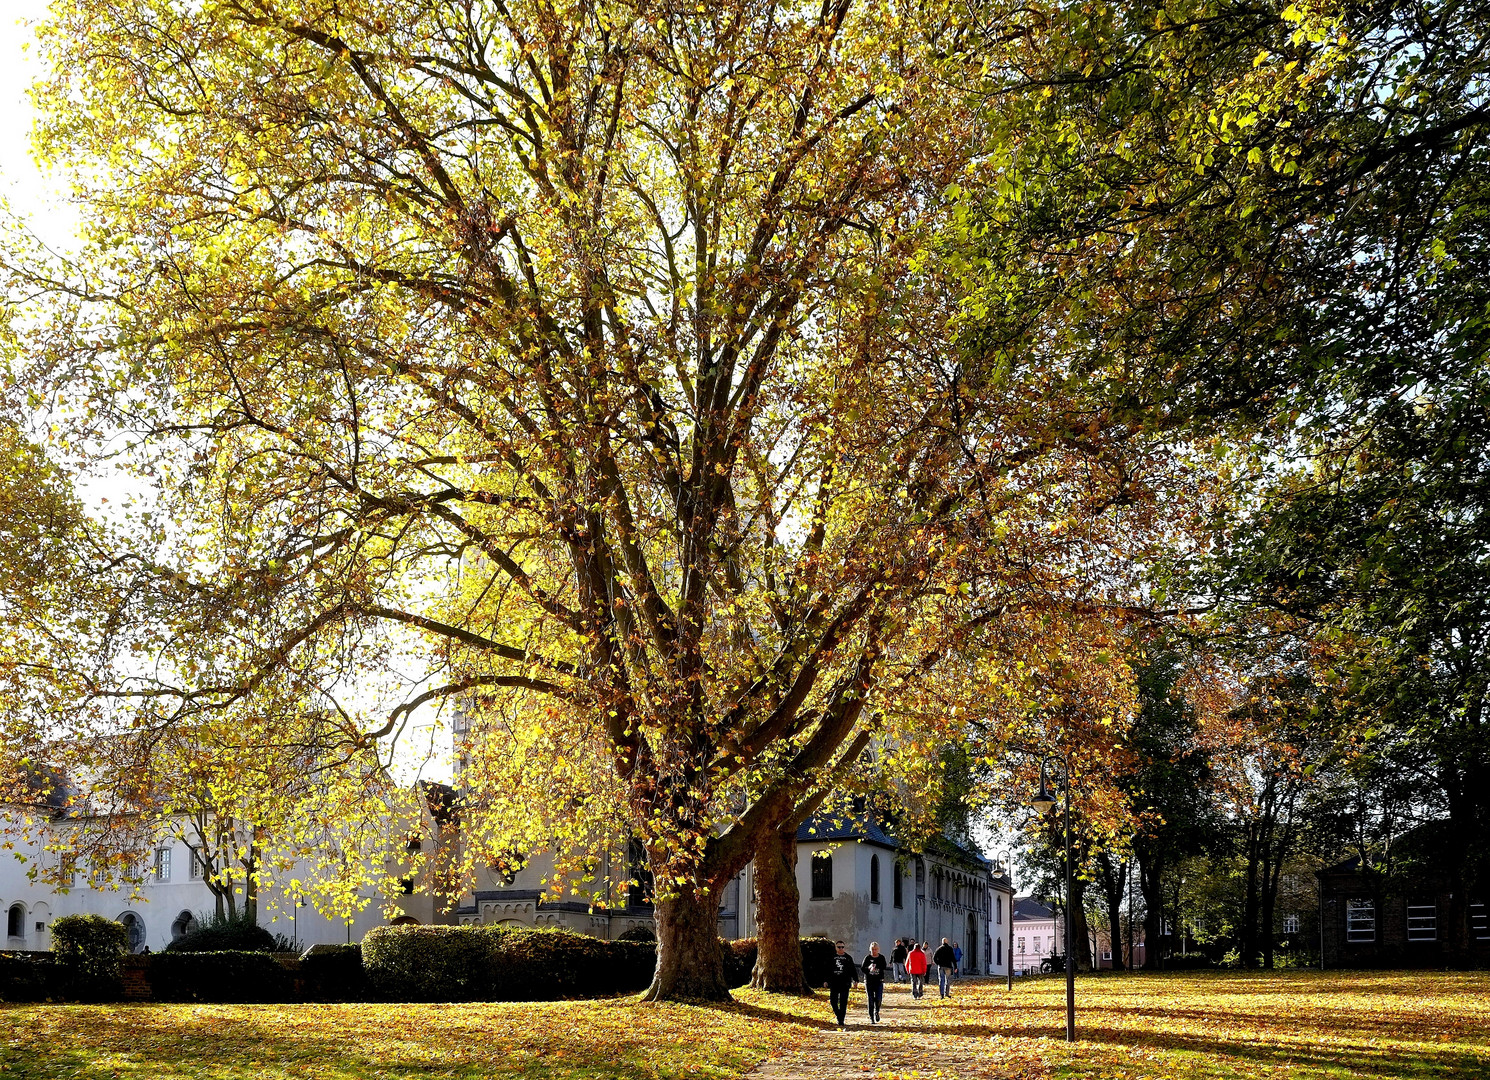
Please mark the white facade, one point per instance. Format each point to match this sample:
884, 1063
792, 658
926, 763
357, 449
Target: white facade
1036, 935
163, 906
862, 889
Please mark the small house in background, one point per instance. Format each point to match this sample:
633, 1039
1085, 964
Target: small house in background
1401, 910
1037, 935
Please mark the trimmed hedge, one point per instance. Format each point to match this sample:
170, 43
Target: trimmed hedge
92, 949
35, 976
333, 973
817, 959
499, 963
739, 961
219, 977
228, 935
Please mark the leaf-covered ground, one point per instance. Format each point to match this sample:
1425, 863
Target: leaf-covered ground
1300, 1025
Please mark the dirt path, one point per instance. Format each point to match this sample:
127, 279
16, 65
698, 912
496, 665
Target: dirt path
914, 1039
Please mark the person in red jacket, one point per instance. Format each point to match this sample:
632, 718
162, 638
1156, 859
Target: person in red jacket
915, 963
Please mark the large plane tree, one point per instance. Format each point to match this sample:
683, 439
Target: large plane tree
592, 348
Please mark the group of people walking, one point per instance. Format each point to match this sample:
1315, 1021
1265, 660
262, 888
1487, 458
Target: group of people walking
908, 959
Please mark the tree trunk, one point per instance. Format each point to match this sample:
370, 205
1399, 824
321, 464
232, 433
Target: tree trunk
690, 966
1248, 936
251, 899
1114, 883
1081, 934
778, 957
1151, 884
1269, 905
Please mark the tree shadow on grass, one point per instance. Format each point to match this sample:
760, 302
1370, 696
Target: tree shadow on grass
138, 1043
1328, 1022
777, 1016
1356, 1057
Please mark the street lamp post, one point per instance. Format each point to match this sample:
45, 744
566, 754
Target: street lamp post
1044, 802
1008, 929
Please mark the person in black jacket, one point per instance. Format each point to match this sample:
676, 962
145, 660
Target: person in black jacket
897, 959
945, 959
842, 974
874, 967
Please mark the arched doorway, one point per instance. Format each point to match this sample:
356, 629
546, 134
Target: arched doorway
185, 923
15, 922
970, 957
405, 920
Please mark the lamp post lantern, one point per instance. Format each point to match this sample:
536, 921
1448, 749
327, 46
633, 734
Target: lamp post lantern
1044, 801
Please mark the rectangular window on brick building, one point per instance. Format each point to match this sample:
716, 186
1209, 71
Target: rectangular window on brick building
1360, 921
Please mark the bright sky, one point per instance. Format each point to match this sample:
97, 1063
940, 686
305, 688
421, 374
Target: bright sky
38, 198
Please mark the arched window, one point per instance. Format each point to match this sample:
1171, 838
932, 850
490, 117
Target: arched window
874, 879
15, 924
1001, 951
135, 926
822, 875
899, 886
185, 923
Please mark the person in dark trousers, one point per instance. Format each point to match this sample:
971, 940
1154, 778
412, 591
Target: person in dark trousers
874, 968
957, 961
945, 959
897, 958
915, 963
842, 974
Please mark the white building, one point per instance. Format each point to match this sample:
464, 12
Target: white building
857, 884
1036, 935
160, 908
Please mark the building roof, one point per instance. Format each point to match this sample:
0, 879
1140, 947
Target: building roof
440, 799
1420, 852
42, 788
1028, 909
861, 826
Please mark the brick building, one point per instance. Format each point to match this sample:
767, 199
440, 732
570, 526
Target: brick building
1399, 911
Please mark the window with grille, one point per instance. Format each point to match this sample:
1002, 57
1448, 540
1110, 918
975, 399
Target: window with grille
1422, 922
1360, 920
1479, 922
1290, 924
822, 875
1021, 946
163, 864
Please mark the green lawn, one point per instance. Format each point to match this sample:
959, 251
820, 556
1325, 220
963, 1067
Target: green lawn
1300, 1025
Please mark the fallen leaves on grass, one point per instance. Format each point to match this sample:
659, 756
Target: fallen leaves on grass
548, 1040
1299, 1025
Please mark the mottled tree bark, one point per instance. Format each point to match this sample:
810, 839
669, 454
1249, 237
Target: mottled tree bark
689, 963
778, 958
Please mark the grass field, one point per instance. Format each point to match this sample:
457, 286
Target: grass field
1209, 1026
